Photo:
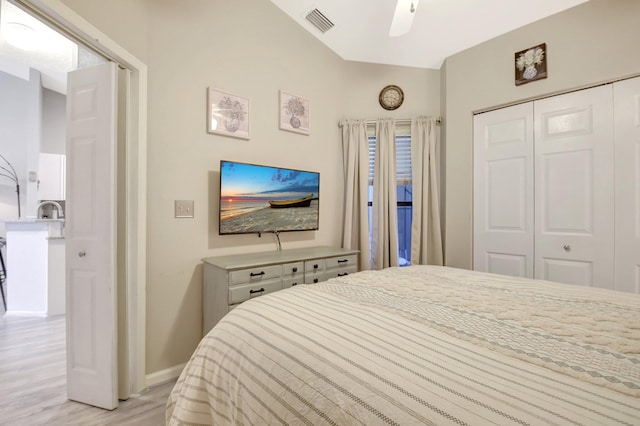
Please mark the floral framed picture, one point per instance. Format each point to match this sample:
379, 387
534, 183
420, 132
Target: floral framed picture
227, 114
531, 64
294, 113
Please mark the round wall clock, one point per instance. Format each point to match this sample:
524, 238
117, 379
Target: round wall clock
391, 97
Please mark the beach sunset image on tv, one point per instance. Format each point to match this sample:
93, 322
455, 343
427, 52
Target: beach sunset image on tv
256, 198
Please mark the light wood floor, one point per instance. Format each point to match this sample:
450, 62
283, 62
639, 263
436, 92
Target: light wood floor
33, 382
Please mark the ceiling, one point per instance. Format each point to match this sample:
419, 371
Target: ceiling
53, 54
440, 28
360, 32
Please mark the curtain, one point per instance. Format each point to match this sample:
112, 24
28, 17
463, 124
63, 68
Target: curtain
384, 232
355, 229
426, 234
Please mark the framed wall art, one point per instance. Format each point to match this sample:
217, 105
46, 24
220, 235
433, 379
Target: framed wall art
294, 113
227, 114
531, 64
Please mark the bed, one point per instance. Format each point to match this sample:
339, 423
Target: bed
419, 345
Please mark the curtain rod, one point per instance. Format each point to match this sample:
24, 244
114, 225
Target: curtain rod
398, 121
402, 121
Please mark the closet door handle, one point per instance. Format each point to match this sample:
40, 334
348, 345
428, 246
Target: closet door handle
566, 248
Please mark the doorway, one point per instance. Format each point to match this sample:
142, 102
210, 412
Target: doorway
131, 263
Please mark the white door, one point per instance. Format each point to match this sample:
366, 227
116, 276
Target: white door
503, 191
574, 188
626, 96
90, 237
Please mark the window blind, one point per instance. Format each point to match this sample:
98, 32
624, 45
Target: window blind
403, 159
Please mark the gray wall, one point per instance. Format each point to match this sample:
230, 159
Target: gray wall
14, 111
54, 122
591, 43
32, 120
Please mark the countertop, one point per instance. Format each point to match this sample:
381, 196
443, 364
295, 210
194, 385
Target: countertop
32, 220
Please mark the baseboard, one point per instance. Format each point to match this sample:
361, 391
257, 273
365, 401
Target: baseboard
163, 376
25, 314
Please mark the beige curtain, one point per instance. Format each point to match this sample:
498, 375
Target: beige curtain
355, 149
426, 234
384, 232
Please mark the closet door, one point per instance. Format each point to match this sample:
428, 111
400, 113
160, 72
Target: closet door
503, 191
626, 96
574, 198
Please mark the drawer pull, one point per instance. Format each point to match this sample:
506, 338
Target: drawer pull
315, 266
343, 260
294, 284
295, 269
315, 280
256, 274
342, 275
256, 291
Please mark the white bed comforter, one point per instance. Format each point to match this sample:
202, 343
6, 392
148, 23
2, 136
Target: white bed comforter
419, 345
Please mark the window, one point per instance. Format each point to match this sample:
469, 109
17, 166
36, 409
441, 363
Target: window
404, 193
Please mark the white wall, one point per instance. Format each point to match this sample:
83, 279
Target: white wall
252, 49
591, 43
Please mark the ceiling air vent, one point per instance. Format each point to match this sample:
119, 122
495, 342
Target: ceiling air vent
319, 20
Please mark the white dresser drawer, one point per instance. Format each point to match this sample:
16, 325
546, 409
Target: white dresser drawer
340, 272
291, 282
255, 275
314, 266
342, 262
293, 270
240, 293
313, 271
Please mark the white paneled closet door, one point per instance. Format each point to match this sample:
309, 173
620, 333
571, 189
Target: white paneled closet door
503, 191
574, 186
626, 96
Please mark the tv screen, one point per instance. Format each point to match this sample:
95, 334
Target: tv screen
256, 198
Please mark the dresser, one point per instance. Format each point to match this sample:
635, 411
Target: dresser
233, 279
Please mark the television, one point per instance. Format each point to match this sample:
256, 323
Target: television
259, 198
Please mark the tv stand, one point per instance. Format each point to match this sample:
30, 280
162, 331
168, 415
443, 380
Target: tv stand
233, 279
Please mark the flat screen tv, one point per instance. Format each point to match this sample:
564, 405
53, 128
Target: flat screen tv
258, 198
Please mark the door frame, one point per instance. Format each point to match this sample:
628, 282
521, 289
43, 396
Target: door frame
73, 25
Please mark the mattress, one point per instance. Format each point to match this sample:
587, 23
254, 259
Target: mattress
419, 345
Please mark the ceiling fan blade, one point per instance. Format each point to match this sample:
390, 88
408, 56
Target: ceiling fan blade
403, 17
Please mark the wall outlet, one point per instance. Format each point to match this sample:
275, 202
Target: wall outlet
184, 208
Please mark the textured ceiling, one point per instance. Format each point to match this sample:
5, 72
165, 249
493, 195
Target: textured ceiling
53, 55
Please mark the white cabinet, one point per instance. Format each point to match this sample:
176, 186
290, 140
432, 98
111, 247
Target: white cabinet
231, 280
35, 267
557, 188
51, 176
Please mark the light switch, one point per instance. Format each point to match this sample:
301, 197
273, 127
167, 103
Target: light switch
184, 208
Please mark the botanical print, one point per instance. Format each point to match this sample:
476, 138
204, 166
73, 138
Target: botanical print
228, 114
531, 64
294, 113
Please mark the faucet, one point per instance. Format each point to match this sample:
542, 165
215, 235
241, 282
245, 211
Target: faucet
56, 213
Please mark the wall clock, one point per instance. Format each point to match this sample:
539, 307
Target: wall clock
391, 97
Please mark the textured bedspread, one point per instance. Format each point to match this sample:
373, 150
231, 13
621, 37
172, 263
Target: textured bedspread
419, 345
